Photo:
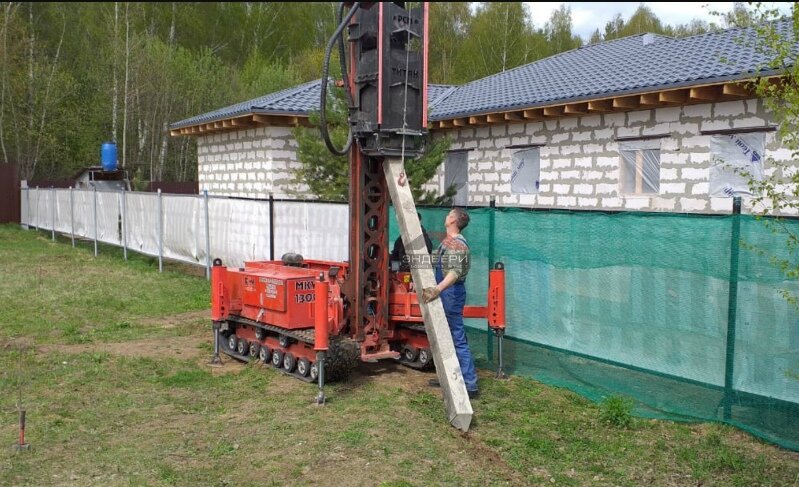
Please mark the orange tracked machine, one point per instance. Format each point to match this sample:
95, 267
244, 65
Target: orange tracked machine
317, 319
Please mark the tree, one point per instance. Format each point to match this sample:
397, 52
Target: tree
778, 193
499, 38
449, 27
559, 31
643, 21
327, 176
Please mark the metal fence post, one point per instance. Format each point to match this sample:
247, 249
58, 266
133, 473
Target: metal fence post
491, 211
71, 217
37, 209
125, 224
52, 212
28, 207
271, 227
207, 237
95, 219
160, 233
732, 308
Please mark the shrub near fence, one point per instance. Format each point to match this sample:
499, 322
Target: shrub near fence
667, 309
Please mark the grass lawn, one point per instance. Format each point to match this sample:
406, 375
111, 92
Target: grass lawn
110, 359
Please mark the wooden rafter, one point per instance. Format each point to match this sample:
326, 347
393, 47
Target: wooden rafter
478, 120
533, 114
600, 106
650, 100
735, 90
675, 96
495, 117
514, 116
556, 111
576, 109
626, 102
705, 93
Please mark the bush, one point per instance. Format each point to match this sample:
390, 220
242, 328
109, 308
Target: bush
617, 410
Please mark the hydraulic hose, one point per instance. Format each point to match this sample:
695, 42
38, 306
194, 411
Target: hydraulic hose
325, 71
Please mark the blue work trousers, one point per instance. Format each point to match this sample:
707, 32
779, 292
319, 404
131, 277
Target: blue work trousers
454, 298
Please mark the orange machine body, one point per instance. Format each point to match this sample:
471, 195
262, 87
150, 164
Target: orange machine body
289, 299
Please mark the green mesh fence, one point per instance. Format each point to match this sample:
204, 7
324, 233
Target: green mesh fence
639, 304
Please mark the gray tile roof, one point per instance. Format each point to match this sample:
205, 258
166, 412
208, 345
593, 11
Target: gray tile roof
630, 65
627, 65
300, 100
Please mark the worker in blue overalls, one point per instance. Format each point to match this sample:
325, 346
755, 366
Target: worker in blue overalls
451, 266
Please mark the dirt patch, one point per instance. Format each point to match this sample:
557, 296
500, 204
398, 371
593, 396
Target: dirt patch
173, 321
179, 347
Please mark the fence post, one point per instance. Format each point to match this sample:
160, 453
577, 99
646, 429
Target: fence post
732, 308
28, 207
37, 209
492, 210
52, 212
94, 192
271, 227
71, 217
207, 237
160, 233
124, 224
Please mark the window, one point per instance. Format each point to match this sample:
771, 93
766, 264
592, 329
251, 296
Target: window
525, 175
640, 167
735, 159
456, 174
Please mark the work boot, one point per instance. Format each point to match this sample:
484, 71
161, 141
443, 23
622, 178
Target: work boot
474, 394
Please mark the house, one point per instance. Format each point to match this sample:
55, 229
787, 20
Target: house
646, 122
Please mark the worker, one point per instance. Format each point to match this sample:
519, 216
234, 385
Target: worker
451, 266
398, 253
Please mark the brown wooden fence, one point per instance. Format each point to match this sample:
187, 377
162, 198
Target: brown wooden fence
9, 194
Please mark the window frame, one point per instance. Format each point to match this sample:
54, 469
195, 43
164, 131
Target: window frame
638, 147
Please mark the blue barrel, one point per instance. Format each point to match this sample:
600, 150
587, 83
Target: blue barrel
108, 156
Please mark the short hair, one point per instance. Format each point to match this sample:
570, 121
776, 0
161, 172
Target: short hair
461, 218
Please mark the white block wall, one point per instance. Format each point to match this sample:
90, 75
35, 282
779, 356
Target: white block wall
249, 163
580, 157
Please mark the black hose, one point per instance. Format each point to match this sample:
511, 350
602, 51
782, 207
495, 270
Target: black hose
342, 57
323, 97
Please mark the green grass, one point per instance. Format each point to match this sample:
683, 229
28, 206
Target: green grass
99, 417
54, 293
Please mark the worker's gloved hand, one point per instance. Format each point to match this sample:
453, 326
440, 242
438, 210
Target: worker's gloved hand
430, 294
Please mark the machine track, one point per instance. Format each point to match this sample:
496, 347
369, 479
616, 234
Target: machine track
341, 358
422, 359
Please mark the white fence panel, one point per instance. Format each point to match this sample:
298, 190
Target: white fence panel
315, 230
142, 220
108, 217
239, 231
83, 212
182, 217
36, 205
63, 221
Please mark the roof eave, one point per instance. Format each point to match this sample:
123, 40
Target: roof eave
602, 96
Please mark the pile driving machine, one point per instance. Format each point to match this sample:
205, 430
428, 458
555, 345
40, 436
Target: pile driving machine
317, 319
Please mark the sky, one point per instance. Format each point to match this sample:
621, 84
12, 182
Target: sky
589, 16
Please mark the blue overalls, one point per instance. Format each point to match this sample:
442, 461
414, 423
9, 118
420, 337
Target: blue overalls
454, 298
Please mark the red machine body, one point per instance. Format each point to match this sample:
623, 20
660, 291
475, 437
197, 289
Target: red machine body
283, 313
